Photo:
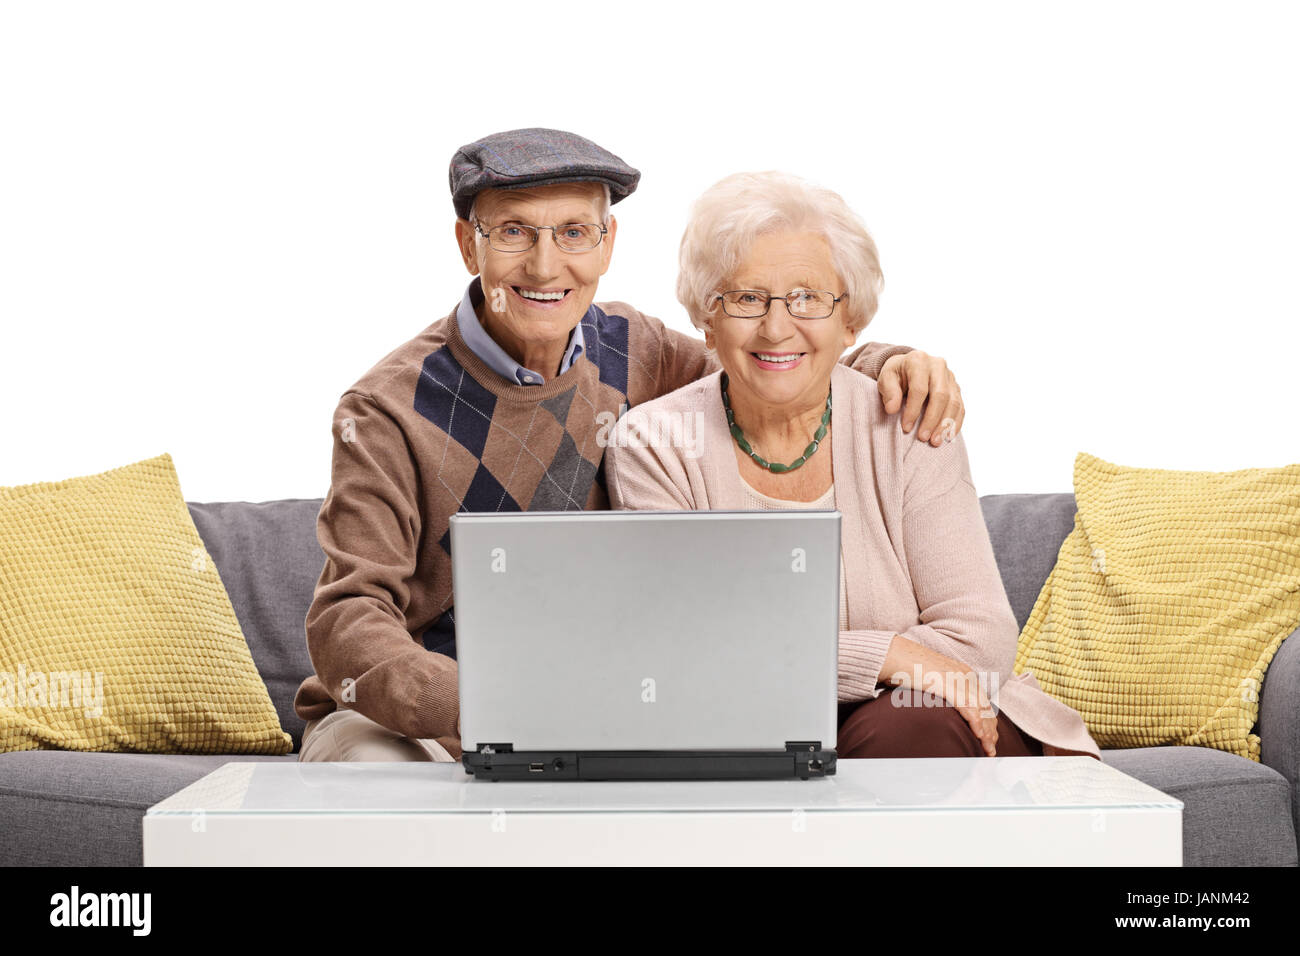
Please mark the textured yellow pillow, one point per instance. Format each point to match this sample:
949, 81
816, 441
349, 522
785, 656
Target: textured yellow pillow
116, 632
1168, 601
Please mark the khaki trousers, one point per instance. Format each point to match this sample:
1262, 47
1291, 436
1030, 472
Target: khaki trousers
345, 735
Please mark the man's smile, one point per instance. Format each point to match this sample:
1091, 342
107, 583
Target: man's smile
541, 298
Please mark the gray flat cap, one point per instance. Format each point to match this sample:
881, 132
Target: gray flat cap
534, 157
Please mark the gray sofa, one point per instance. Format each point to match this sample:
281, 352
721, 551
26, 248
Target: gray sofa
59, 808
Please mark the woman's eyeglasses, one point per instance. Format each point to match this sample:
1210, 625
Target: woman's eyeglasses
801, 303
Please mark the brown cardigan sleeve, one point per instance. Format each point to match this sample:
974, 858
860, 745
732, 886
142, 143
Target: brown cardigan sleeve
870, 357
369, 529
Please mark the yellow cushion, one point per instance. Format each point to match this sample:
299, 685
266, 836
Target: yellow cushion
116, 632
1167, 602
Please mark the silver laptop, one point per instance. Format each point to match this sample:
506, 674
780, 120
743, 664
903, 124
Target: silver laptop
647, 645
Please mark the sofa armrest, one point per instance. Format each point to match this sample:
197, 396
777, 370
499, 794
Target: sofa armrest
1279, 718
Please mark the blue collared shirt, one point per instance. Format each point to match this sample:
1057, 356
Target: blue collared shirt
493, 355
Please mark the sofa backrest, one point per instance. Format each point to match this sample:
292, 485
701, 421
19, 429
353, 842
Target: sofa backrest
269, 560
1027, 532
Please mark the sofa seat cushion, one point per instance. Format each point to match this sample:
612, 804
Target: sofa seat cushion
67, 808
72, 808
1236, 812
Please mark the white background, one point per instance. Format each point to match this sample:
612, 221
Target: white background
215, 217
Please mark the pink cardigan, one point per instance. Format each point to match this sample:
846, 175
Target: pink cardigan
916, 552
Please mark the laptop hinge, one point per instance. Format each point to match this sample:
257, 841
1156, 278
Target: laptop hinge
802, 746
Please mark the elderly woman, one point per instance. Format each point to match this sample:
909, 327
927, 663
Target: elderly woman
781, 277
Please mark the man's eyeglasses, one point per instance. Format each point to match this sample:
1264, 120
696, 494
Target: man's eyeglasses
571, 237
801, 303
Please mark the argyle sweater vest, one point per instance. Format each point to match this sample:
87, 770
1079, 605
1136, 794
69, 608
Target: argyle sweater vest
508, 447
431, 431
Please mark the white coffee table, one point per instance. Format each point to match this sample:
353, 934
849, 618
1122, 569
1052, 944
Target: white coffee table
1000, 811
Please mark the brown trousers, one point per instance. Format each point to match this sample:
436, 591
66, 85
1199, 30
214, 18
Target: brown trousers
925, 726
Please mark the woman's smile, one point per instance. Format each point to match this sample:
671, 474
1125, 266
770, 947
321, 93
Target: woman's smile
778, 361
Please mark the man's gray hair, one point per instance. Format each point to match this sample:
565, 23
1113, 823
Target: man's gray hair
733, 212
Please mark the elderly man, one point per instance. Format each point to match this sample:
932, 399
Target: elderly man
497, 407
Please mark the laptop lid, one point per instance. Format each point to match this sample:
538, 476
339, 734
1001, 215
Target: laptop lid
647, 631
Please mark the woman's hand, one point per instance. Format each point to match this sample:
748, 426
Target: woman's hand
915, 666
977, 710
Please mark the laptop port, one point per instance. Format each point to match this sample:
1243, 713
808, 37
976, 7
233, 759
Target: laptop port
538, 767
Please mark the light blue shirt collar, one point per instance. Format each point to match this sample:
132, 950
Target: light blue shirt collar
493, 355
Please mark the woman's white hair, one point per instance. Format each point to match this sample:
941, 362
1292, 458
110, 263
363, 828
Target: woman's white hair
735, 211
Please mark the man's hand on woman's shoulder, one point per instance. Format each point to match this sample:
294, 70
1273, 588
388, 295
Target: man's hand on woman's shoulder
927, 382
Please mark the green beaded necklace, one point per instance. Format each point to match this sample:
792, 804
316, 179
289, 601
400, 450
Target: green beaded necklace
776, 468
